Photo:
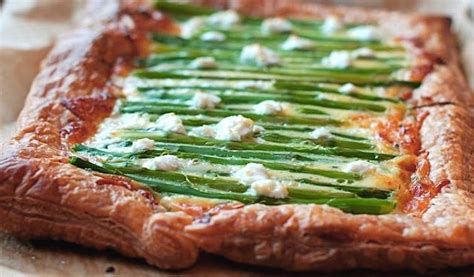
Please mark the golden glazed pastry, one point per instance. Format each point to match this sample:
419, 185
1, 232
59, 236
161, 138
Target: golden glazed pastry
274, 133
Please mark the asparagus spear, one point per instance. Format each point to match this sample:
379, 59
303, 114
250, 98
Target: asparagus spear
233, 161
331, 142
233, 145
354, 205
223, 75
312, 92
129, 107
252, 99
182, 9
360, 191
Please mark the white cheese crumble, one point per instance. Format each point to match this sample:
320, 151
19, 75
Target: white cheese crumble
143, 144
365, 32
204, 63
203, 131
258, 129
260, 181
252, 172
359, 167
165, 163
234, 128
270, 107
212, 36
347, 88
127, 22
192, 26
321, 133
134, 120
332, 24
224, 19
338, 59
297, 43
203, 100
256, 54
380, 91
170, 122
363, 52
259, 84
276, 25
270, 188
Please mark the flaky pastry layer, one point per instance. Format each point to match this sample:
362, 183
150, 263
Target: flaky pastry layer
42, 196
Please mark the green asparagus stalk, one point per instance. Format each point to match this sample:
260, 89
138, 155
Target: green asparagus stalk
233, 145
182, 9
129, 107
353, 205
330, 142
253, 99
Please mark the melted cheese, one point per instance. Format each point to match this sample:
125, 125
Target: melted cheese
276, 25
270, 107
224, 19
338, 59
366, 32
204, 63
296, 43
234, 128
170, 122
165, 163
321, 133
203, 100
256, 54
192, 26
359, 167
143, 144
332, 24
348, 88
213, 36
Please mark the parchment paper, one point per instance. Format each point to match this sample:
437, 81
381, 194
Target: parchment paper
27, 31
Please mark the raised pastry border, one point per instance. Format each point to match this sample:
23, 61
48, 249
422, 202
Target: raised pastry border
42, 196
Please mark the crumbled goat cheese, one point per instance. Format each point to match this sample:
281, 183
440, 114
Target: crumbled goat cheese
359, 167
297, 43
366, 32
165, 163
192, 26
127, 22
204, 63
203, 100
143, 144
203, 131
380, 91
252, 172
270, 188
338, 59
256, 54
260, 181
363, 52
213, 36
347, 88
270, 107
254, 84
234, 128
170, 122
224, 19
258, 129
134, 120
276, 25
332, 24
321, 133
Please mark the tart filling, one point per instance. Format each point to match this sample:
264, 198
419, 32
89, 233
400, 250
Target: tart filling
242, 110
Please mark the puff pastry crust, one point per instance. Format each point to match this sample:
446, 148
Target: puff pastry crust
42, 196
